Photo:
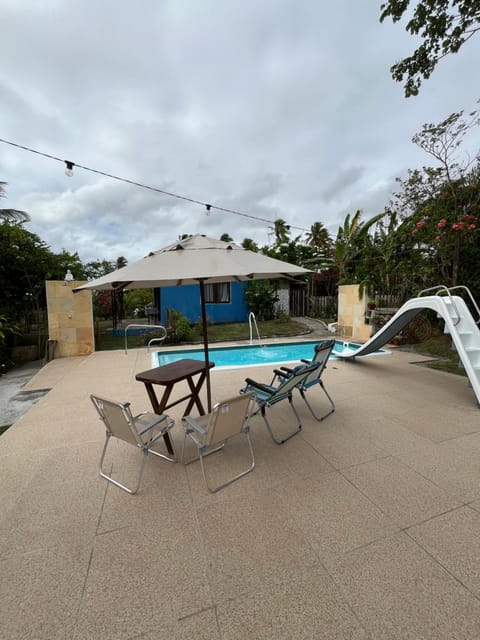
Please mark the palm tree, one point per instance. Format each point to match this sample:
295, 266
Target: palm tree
319, 238
282, 231
11, 215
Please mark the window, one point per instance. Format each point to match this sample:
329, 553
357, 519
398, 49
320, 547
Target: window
218, 293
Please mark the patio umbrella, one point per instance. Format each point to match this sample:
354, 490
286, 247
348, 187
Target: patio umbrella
196, 260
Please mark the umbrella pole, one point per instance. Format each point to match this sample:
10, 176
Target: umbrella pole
205, 343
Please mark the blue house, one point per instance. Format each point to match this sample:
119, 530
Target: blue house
223, 301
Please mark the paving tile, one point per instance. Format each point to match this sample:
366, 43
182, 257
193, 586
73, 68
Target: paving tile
307, 605
452, 465
399, 592
404, 495
200, 626
40, 592
48, 513
332, 514
247, 543
141, 578
341, 444
453, 540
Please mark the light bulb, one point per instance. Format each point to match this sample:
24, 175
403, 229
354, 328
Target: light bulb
69, 168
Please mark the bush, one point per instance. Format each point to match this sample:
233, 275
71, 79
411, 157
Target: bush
260, 297
178, 327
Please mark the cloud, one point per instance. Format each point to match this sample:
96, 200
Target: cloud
280, 109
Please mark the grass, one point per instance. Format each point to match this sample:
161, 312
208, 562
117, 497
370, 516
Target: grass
440, 348
216, 333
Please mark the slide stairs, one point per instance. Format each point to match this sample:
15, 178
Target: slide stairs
459, 323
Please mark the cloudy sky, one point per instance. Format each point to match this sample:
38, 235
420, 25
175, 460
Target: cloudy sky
277, 109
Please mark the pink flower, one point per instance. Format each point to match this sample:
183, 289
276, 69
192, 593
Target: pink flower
471, 227
458, 226
437, 238
420, 224
442, 223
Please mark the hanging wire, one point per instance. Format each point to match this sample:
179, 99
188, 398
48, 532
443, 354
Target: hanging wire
208, 207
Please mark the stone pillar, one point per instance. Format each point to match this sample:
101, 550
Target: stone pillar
351, 313
70, 318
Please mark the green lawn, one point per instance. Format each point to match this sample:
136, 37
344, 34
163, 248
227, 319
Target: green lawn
439, 348
216, 333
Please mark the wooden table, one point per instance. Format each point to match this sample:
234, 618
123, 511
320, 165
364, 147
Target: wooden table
167, 376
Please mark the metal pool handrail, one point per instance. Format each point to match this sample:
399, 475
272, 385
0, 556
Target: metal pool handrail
146, 326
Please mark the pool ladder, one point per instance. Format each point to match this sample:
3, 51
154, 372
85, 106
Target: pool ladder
252, 321
146, 326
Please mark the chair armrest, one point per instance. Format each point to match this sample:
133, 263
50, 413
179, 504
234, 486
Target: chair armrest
306, 361
151, 424
280, 373
257, 385
194, 425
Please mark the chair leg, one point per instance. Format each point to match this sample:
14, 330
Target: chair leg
269, 428
189, 432
164, 456
332, 404
239, 475
115, 482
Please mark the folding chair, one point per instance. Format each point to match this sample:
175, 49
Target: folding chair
210, 432
322, 352
141, 431
268, 395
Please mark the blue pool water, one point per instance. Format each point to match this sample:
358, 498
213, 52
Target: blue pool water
249, 355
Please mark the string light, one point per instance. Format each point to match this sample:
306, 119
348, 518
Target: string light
69, 168
208, 207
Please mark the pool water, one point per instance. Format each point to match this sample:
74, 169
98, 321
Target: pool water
250, 355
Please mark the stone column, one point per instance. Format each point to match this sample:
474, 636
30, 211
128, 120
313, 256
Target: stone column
70, 318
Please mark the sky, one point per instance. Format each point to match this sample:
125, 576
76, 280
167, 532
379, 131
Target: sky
274, 109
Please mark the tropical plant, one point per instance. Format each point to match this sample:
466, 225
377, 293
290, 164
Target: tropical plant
260, 297
11, 215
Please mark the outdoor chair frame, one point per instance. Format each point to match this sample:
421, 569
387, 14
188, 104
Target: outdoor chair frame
210, 432
268, 395
141, 431
322, 352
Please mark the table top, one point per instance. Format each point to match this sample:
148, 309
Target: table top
173, 372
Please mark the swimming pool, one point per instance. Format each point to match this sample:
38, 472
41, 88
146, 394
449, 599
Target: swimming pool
251, 355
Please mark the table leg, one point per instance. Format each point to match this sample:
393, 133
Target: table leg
195, 397
158, 409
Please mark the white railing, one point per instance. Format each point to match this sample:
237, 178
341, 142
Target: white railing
252, 321
146, 326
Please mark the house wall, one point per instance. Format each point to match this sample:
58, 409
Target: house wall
70, 318
187, 300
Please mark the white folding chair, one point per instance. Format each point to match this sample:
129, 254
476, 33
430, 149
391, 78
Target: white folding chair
141, 431
228, 419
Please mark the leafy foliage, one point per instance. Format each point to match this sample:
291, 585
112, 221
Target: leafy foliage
444, 26
260, 297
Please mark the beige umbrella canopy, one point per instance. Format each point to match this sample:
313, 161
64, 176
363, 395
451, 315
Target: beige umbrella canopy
196, 260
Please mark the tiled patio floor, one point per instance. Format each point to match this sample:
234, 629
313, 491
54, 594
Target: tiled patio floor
366, 525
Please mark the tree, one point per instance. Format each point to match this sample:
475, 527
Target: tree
350, 246
442, 203
444, 25
250, 245
12, 215
319, 238
225, 237
281, 230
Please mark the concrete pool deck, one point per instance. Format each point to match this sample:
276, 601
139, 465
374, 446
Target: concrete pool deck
363, 526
